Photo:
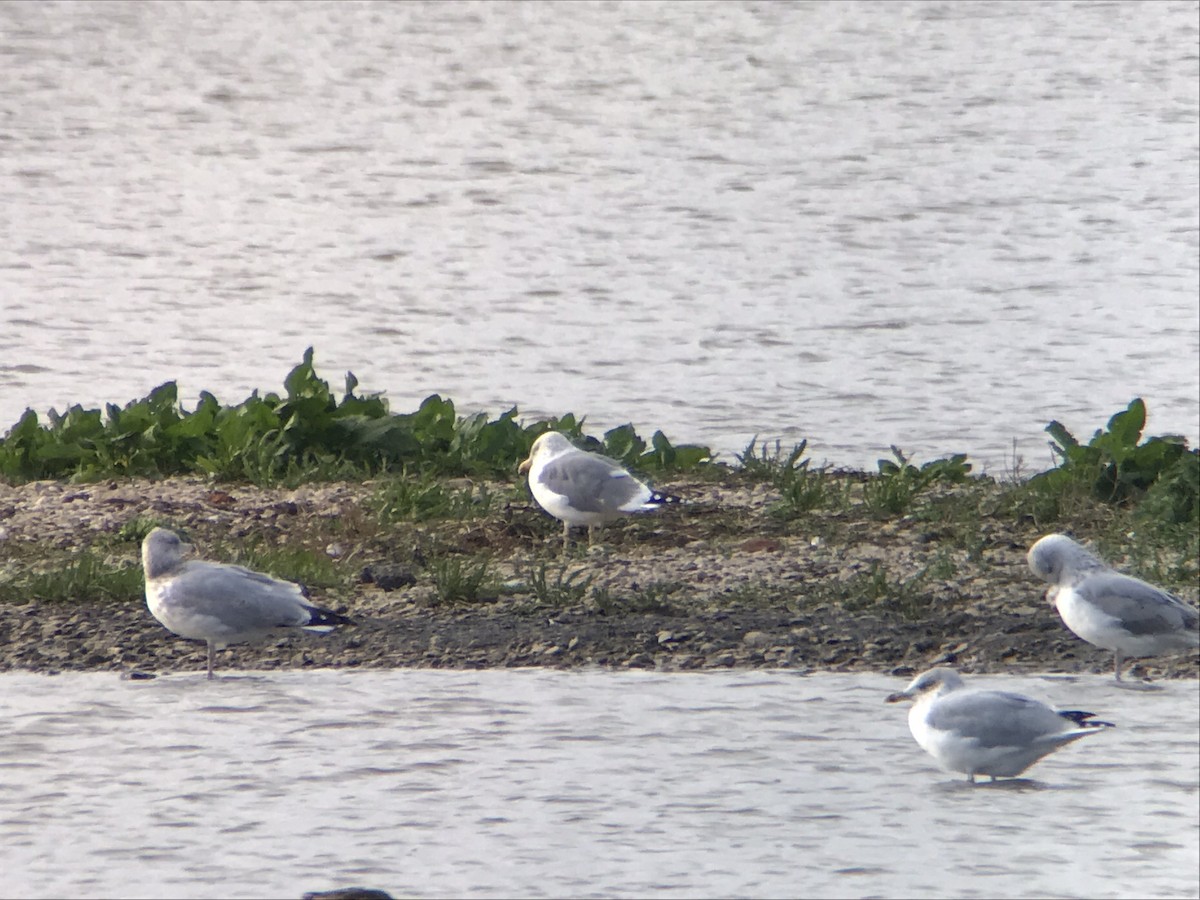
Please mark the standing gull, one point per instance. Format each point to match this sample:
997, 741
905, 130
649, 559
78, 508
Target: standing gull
221, 604
993, 733
581, 488
1113, 611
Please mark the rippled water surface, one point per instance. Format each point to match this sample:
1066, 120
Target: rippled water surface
940, 225
581, 784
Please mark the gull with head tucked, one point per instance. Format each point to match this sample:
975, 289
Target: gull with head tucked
219, 603
580, 488
1113, 611
994, 733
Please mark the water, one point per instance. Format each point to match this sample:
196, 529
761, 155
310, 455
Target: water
930, 224
936, 225
577, 784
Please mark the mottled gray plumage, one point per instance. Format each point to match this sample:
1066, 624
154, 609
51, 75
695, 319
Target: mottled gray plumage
219, 603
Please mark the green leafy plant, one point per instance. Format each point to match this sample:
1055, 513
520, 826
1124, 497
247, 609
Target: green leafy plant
146, 437
1118, 468
1174, 497
307, 434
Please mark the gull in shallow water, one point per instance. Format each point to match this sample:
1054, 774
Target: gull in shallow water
993, 733
581, 488
1113, 611
222, 604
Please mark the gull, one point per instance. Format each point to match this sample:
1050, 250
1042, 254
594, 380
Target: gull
219, 603
993, 733
1113, 611
581, 488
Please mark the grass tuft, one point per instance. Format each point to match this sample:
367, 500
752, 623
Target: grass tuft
565, 588
459, 581
78, 578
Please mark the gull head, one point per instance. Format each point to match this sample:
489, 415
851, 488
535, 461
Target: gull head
931, 683
549, 445
162, 552
1056, 557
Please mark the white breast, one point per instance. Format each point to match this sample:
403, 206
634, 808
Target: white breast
1090, 622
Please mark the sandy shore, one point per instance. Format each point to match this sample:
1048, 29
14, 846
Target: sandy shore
719, 582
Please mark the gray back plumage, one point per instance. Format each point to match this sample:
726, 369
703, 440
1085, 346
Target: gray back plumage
243, 600
590, 483
1142, 608
997, 718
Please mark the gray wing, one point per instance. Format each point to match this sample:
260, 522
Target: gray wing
592, 483
264, 578
997, 718
1142, 608
242, 600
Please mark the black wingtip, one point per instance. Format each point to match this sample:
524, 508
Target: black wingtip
326, 617
659, 498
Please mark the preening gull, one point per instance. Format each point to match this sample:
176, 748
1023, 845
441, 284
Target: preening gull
994, 733
580, 488
1113, 611
219, 603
